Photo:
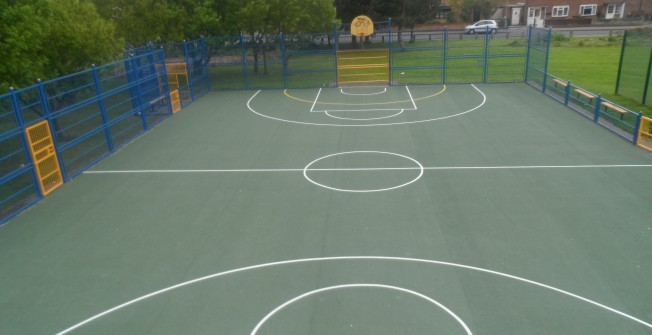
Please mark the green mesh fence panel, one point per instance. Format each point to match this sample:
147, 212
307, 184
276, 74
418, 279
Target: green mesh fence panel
226, 66
263, 61
537, 56
635, 61
418, 58
309, 60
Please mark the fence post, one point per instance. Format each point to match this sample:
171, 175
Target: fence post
527, 53
567, 95
391, 52
139, 99
188, 72
647, 78
23, 140
166, 81
100, 100
243, 49
596, 113
637, 127
620, 63
205, 60
283, 61
486, 57
445, 56
53, 126
545, 67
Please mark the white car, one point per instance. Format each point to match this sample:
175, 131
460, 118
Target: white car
484, 26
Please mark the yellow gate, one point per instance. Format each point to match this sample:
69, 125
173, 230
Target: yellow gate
176, 101
645, 134
363, 66
44, 156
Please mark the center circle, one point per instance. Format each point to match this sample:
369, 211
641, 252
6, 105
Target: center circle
363, 167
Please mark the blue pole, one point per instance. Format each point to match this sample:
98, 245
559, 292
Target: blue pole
244, 62
336, 40
389, 41
596, 112
188, 67
139, 98
567, 93
100, 99
545, 68
637, 128
53, 129
283, 60
206, 63
486, 57
445, 56
165, 80
23, 141
527, 54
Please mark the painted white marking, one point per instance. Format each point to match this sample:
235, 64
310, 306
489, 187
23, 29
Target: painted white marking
307, 168
367, 119
411, 98
374, 93
362, 110
434, 168
395, 288
313, 104
484, 100
342, 258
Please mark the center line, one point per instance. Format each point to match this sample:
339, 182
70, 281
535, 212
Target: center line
434, 168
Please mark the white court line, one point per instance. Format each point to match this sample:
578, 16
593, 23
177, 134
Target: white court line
341, 258
434, 168
375, 93
411, 98
484, 100
414, 105
314, 102
387, 287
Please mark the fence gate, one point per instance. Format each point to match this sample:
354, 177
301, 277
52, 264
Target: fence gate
645, 134
44, 156
363, 66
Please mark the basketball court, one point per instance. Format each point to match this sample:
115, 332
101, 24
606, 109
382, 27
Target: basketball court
438, 209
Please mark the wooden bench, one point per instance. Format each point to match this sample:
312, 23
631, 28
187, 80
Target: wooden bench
560, 83
584, 94
608, 106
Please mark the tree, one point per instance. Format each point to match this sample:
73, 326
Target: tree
403, 13
474, 10
262, 18
47, 39
143, 21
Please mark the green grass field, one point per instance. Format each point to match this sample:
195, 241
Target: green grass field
592, 63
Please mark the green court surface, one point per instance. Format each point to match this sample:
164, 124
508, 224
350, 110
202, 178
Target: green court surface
464, 209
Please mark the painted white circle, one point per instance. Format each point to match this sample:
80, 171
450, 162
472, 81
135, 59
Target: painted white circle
484, 100
337, 287
348, 258
363, 119
418, 166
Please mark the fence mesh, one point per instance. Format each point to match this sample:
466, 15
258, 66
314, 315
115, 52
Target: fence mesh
90, 113
633, 81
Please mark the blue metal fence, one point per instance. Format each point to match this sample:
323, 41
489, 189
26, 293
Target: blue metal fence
415, 57
616, 118
94, 112
91, 114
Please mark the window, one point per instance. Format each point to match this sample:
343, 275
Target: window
587, 10
558, 11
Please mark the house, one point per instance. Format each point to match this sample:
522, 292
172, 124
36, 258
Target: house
545, 13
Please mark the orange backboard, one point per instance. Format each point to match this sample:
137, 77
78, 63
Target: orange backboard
362, 26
